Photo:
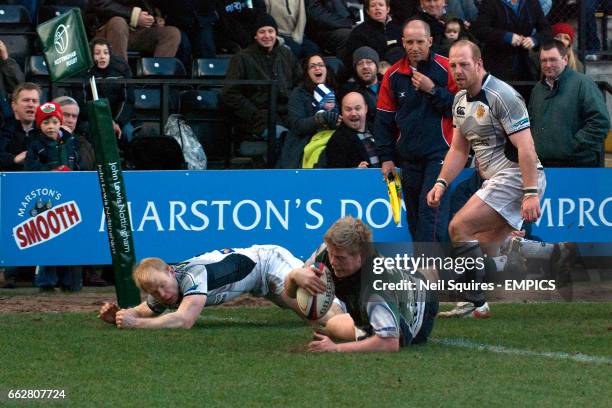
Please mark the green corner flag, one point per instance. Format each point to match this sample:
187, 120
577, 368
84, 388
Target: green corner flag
67, 53
64, 45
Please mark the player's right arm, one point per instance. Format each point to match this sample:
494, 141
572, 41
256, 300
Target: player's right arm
454, 162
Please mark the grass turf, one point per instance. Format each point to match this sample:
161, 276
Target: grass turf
254, 357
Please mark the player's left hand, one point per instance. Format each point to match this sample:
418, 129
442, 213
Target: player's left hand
530, 208
422, 82
321, 344
125, 319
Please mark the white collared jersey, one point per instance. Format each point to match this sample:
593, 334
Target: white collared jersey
227, 273
487, 119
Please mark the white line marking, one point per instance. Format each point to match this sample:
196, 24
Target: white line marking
557, 355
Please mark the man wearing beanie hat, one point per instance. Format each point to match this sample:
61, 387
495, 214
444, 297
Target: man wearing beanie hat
365, 79
265, 59
52, 148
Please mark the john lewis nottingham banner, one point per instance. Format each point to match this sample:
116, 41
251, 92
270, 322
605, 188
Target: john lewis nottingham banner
58, 219
64, 44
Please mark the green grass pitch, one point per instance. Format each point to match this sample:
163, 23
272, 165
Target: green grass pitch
254, 357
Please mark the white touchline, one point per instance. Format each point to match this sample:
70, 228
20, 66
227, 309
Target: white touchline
557, 355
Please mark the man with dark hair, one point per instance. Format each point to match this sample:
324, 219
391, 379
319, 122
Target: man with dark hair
490, 117
375, 319
415, 98
569, 117
16, 131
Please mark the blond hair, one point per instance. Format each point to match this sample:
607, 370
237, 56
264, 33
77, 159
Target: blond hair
146, 268
350, 234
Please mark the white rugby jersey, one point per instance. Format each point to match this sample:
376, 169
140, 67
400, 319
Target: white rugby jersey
487, 119
225, 274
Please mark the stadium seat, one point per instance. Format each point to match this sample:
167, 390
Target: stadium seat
147, 103
36, 68
14, 19
202, 111
155, 153
210, 68
30, 5
46, 12
335, 64
159, 67
198, 102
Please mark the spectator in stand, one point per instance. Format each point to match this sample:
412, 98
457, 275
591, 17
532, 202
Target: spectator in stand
380, 32
70, 111
366, 79
352, 144
509, 30
237, 19
569, 118
402, 10
416, 98
132, 24
263, 60
195, 19
564, 32
328, 24
291, 19
434, 13
51, 147
466, 10
120, 96
10, 72
16, 131
304, 116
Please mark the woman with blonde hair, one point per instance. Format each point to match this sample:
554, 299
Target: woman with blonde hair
564, 32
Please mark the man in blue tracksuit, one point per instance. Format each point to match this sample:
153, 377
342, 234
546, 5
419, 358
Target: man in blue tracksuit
414, 125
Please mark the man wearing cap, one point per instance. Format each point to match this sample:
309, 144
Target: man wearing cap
365, 79
265, 59
569, 118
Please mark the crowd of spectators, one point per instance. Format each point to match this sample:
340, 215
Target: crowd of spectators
393, 76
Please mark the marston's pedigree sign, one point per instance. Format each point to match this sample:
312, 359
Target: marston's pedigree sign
65, 45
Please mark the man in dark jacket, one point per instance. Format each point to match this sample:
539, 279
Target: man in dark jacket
569, 118
15, 136
352, 144
265, 59
416, 98
328, 24
132, 24
508, 30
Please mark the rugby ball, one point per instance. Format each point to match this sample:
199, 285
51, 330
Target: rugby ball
315, 307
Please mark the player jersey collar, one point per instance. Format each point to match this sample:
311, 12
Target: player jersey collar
480, 96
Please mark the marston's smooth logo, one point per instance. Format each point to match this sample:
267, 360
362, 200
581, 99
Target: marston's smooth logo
47, 225
60, 40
